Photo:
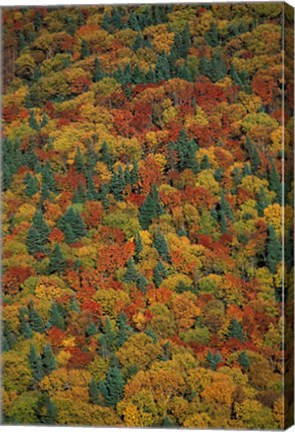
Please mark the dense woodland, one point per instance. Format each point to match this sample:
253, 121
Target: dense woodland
142, 203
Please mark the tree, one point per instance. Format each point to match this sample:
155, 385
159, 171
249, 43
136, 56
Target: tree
25, 327
131, 274
235, 330
150, 209
85, 52
31, 185
35, 320
273, 250
162, 70
275, 184
115, 386
211, 36
161, 245
213, 360
56, 318
36, 364
57, 263
253, 155
79, 161
93, 392
74, 220
49, 361
106, 155
33, 121
33, 241
244, 361
97, 73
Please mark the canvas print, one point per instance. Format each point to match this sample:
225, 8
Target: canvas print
147, 215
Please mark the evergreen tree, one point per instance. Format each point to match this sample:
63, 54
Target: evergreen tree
36, 364
138, 246
273, 250
31, 185
106, 155
138, 42
262, 201
211, 36
235, 330
124, 329
91, 189
275, 183
21, 40
205, 163
186, 151
106, 21
217, 68
44, 121
57, 263
47, 410
115, 386
48, 178
225, 207
73, 220
289, 250
150, 209
35, 320
162, 70
142, 283
93, 392
33, 121
74, 305
49, 361
97, 73
131, 274
117, 19
85, 52
213, 360
161, 245
78, 161
25, 328
56, 318
253, 155
244, 361
33, 241
79, 195
160, 273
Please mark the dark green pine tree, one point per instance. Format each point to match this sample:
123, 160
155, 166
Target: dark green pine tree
218, 174
142, 283
225, 207
186, 40
117, 184
205, 163
74, 306
31, 185
211, 36
273, 250
79, 196
85, 52
138, 42
56, 318
97, 72
186, 152
91, 329
244, 361
57, 262
217, 68
48, 178
134, 174
115, 386
213, 360
21, 40
25, 328
48, 410
6, 176
106, 155
33, 121
131, 274
161, 245
37, 21
124, 329
106, 22
253, 155
108, 338
36, 77
79, 161
75, 221
36, 365
35, 320
289, 250
9, 336
275, 183
117, 19
162, 70
168, 423
262, 201
91, 189
33, 241
138, 247
103, 195
49, 361
44, 121
150, 209
160, 273
235, 330
93, 392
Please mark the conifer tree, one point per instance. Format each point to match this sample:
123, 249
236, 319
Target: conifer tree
161, 245
275, 184
253, 155
93, 392
85, 52
273, 250
33, 241
235, 330
31, 185
162, 70
25, 328
244, 361
36, 364
205, 163
57, 263
150, 209
33, 121
106, 155
131, 274
49, 361
115, 386
35, 320
97, 73
78, 161
138, 246
56, 319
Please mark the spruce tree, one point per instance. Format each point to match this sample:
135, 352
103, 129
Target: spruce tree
36, 364
35, 320
142, 283
275, 183
161, 245
138, 246
115, 386
93, 392
31, 185
33, 241
273, 250
78, 161
56, 318
33, 121
162, 70
235, 330
106, 155
79, 195
25, 328
85, 52
150, 209
49, 361
211, 36
261, 201
253, 155
205, 163
131, 274
244, 361
57, 263
97, 73
124, 329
